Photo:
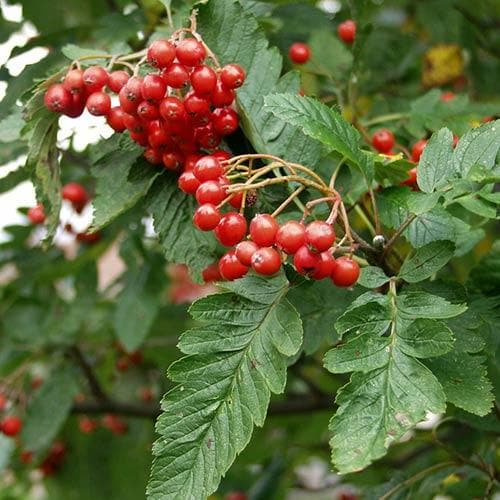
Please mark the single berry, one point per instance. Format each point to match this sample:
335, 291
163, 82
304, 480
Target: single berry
412, 178
114, 424
98, 104
57, 98
222, 96
263, 230
231, 229
87, 425
244, 251
117, 80
206, 137
153, 156
232, 76
153, 88
172, 160
95, 78
146, 394
36, 215
197, 106
417, 150
346, 272
383, 140
211, 273
190, 52
447, 96
115, 119
161, 53
305, 261
210, 192
77, 105
236, 200
299, 53
134, 124
122, 364
230, 267
133, 90
203, 79
208, 168
206, 217
188, 182
266, 261
147, 111
75, 193
291, 236
320, 235
225, 121
11, 425
73, 81
325, 266
176, 76
347, 31
127, 106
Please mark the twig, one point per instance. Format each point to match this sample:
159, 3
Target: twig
94, 385
397, 234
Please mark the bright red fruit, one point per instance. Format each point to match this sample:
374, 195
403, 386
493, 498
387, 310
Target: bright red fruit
266, 261
57, 98
73, 81
236, 200
263, 230
231, 229
244, 251
210, 192
115, 119
36, 215
347, 31
225, 121
188, 182
147, 111
383, 140
153, 156
232, 76
208, 168
299, 53
11, 425
206, 217
95, 78
172, 160
197, 106
417, 150
222, 96
305, 261
153, 88
98, 103
325, 266
117, 80
211, 273
291, 236
75, 193
230, 267
320, 235
346, 272
176, 76
190, 52
203, 79
161, 53
133, 90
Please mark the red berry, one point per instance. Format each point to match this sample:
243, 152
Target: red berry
206, 217
190, 52
75, 193
447, 96
412, 178
95, 78
129, 107
115, 119
36, 215
87, 425
136, 357
210, 192
197, 106
98, 104
57, 98
208, 168
291, 236
203, 79
188, 182
347, 31
325, 266
206, 137
417, 150
77, 104
161, 53
222, 96
346, 272
299, 52
211, 273
73, 81
383, 140
114, 424
320, 235
134, 124
147, 111
225, 121
230, 267
153, 88
153, 156
172, 160
266, 261
244, 251
305, 261
140, 138
236, 200
176, 76
11, 425
455, 140
146, 394
133, 90
172, 109
117, 80
231, 229
221, 155
232, 76
263, 230
122, 364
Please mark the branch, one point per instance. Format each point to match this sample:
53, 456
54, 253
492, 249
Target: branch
94, 384
397, 234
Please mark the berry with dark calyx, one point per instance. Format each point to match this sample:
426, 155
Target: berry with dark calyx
305, 261
11, 425
153, 156
231, 268
210, 192
206, 217
172, 109
98, 104
266, 261
161, 53
383, 140
115, 119
232, 76
208, 168
75, 193
127, 106
320, 235
222, 96
147, 111
417, 150
95, 78
87, 425
57, 98
346, 272
117, 80
263, 230
225, 120
299, 53
153, 88
347, 31
36, 214
203, 79
244, 251
176, 76
73, 81
133, 90
172, 160
197, 106
231, 229
190, 52
325, 266
211, 273
291, 236
188, 182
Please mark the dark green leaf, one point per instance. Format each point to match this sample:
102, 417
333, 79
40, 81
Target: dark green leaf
424, 305
372, 277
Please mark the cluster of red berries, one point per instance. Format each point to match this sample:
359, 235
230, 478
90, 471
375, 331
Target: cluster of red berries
182, 107
269, 242
126, 359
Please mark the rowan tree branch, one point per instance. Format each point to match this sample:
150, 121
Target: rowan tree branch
94, 384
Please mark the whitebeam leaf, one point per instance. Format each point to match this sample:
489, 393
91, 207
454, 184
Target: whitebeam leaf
237, 358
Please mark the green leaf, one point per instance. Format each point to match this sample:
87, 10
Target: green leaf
425, 305
372, 277
237, 358
12, 179
435, 167
324, 124
10, 127
329, 56
372, 317
49, 409
73, 52
426, 261
172, 212
236, 37
425, 338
